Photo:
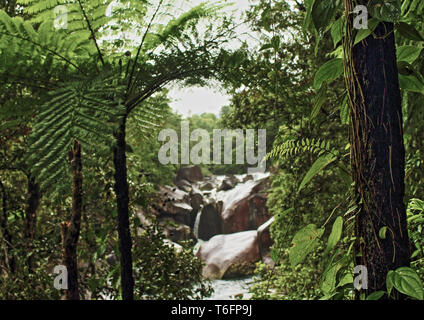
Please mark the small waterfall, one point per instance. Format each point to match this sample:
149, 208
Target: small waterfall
196, 224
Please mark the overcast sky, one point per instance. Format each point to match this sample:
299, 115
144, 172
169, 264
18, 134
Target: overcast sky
197, 100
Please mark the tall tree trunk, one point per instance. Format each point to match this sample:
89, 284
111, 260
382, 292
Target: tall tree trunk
122, 199
377, 153
33, 202
71, 229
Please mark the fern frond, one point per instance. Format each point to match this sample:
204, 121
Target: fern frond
86, 20
76, 111
295, 147
36, 51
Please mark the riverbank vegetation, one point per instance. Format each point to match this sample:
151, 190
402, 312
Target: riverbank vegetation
82, 104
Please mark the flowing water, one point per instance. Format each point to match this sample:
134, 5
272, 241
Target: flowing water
231, 289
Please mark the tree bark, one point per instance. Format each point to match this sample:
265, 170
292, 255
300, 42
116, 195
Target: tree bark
71, 229
122, 200
377, 155
33, 202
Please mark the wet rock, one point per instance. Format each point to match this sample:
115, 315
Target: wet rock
174, 203
196, 200
208, 222
207, 186
230, 255
248, 177
191, 174
228, 183
183, 185
264, 238
244, 207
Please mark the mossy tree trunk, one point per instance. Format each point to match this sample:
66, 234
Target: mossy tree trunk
377, 154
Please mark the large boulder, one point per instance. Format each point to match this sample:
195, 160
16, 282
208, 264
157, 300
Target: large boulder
174, 203
244, 207
208, 222
230, 255
191, 174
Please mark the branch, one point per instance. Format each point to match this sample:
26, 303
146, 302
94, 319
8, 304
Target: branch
159, 83
45, 48
130, 84
92, 32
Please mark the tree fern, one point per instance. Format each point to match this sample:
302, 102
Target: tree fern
82, 110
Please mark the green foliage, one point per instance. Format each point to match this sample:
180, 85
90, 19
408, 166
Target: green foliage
303, 243
406, 281
316, 168
323, 12
408, 53
329, 71
292, 148
87, 19
388, 10
163, 271
335, 235
286, 283
81, 111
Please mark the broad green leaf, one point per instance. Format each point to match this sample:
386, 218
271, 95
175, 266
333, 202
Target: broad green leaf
385, 10
316, 168
375, 295
407, 281
364, 33
336, 233
308, 18
411, 83
382, 232
319, 101
329, 71
346, 279
409, 32
408, 53
329, 278
390, 281
344, 111
337, 31
304, 241
323, 12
